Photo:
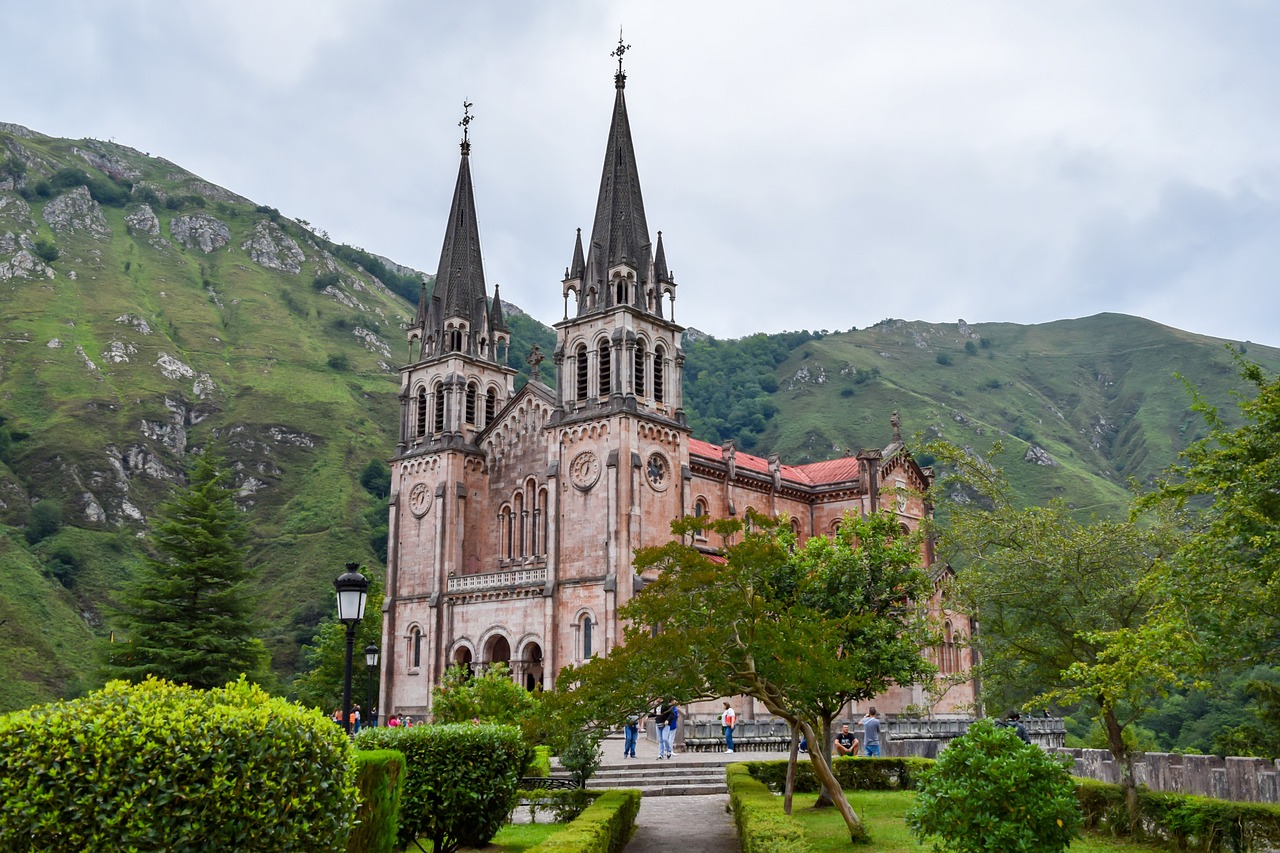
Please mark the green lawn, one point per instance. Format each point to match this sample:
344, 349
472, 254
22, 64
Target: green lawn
882, 813
512, 838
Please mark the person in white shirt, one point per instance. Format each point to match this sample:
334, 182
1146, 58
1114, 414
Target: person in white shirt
728, 721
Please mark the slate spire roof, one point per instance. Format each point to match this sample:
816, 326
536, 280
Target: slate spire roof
460, 291
620, 233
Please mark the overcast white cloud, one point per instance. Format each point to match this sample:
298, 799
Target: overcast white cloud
813, 165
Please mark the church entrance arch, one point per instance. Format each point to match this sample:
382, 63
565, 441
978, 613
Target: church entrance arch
529, 670
498, 649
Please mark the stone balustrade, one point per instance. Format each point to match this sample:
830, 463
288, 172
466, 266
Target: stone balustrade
536, 576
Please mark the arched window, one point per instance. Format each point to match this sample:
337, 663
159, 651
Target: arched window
472, 391
641, 362
508, 533
542, 523
456, 340
606, 374
439, 419
659, 376
415, 648
422, 412
519, 515
535, 529
582, 371
622, 291
490, 406
586, 636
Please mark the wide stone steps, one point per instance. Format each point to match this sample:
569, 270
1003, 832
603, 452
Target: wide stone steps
665, 778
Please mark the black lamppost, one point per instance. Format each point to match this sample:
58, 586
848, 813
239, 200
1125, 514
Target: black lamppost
371, 661
353, 591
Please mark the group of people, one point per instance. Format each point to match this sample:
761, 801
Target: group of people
666, 718
394, 721
354, 719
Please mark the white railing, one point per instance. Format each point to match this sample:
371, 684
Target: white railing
498, 580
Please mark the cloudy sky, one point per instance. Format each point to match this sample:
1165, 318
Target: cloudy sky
811, 165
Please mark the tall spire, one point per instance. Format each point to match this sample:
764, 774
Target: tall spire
620, 234
460, 289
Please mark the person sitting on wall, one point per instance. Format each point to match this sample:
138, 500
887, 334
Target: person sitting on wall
846, 742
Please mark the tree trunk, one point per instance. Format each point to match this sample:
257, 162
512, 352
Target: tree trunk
824, 800
791, 769
1124, 760
857, 833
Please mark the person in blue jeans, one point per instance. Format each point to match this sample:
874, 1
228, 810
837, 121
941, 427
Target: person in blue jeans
728, 720
630, 733
871, 733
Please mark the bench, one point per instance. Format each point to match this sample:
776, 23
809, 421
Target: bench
546, 783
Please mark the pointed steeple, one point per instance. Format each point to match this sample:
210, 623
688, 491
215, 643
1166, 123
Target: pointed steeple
579, 263
496, 321
620, 234
460, 292
660, 262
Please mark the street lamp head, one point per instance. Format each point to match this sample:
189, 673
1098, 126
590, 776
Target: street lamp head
353, 591
371, 656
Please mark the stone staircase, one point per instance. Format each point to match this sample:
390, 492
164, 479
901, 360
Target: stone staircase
666, 778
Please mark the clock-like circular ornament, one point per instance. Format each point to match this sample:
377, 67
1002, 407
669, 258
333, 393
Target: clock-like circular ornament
584, 470
420, 500
658, 471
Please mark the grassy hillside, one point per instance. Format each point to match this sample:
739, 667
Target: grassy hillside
1099, 396
146, 313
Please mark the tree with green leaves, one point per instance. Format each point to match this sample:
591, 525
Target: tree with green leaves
1230, 578
491, 697
1070, 612
187, 616
801, 628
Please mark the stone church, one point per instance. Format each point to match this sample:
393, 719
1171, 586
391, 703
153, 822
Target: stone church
514, 515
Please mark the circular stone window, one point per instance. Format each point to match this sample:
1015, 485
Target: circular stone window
658, 471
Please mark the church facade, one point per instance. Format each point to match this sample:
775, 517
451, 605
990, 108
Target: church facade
514, 515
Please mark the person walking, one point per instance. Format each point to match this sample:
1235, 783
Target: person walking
728, 721
871, 733
664, 720
630, 733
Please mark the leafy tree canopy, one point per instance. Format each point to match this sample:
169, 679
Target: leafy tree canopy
802, 628
1230, 578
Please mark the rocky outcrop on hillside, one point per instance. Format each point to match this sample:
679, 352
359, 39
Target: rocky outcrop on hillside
75, 210
24, 265
200, 231
115, 167
16, 209
143, 221
270, 247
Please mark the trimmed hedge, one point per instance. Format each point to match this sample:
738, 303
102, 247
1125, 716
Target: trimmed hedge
604, 827
160, 766
762, 825
1189, 822
380, 776
461, 781
540, 765
564, 805
853, 774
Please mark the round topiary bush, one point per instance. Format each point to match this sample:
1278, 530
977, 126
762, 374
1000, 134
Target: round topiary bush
461, 782
160, 766
991, 793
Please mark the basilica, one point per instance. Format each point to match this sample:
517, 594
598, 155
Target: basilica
514, 515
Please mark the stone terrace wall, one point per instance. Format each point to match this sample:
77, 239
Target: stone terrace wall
1250, 780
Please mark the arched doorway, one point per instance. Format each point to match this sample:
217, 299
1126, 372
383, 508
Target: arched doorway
499, 650
462, 657
531, 663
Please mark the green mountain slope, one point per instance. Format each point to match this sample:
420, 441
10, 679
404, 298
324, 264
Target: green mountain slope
146, 313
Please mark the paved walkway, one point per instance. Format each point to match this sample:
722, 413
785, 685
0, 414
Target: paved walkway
698, 824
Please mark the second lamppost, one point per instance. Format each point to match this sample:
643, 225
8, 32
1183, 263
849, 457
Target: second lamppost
353, 591
371, 661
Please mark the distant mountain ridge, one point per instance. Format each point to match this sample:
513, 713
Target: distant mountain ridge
148, 313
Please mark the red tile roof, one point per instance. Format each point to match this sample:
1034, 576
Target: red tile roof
814, 474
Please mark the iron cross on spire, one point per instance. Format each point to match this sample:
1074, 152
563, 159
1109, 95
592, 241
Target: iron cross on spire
620, 50
467, 118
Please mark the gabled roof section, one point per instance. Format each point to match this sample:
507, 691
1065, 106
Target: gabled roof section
834, 471
460, 289
620, 234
